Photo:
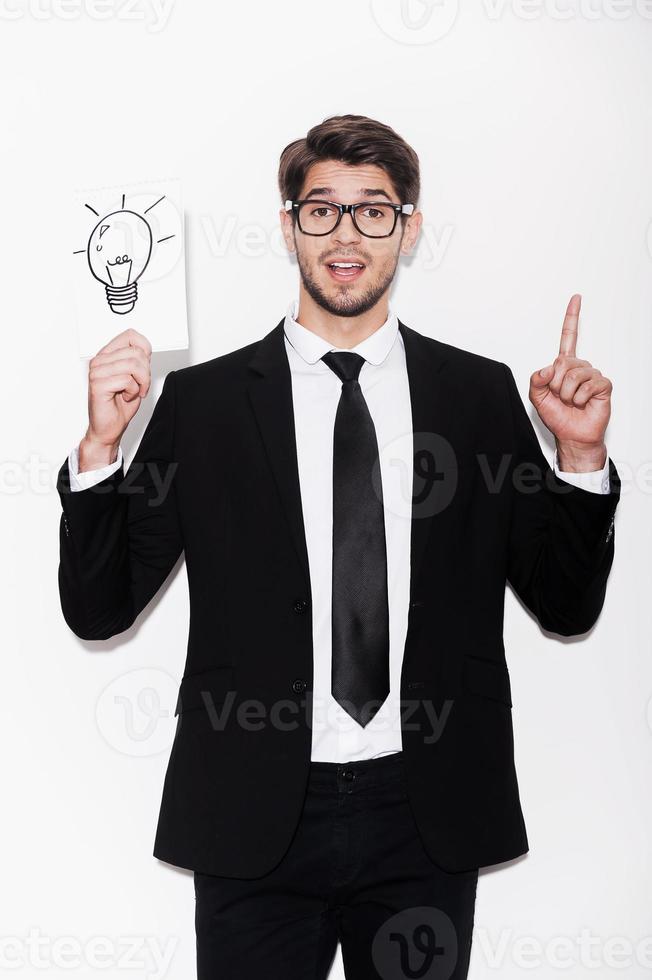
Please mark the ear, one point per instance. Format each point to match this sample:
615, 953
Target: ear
287, 227
411, 232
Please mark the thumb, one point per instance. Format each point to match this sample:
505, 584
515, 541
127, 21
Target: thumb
540, 379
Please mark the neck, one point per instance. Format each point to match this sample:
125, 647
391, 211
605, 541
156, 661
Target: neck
340, 331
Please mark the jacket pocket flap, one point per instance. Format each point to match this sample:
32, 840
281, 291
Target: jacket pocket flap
205, 688
488, 678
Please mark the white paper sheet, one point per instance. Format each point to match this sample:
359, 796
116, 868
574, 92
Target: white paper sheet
129, 264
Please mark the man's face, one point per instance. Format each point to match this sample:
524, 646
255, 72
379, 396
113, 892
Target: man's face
348, 292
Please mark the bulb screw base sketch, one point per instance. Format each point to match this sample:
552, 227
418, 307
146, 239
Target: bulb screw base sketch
122, 299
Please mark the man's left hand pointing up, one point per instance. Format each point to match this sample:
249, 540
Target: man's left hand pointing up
573, 400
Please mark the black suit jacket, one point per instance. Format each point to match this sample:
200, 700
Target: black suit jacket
215, 475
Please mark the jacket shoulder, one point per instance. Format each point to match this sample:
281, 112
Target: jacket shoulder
226, 373
460, 357
224, 363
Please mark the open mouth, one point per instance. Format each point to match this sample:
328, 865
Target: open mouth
345, 271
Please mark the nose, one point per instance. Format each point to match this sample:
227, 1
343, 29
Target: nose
346, 232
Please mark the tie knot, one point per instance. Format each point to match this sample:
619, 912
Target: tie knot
345, 364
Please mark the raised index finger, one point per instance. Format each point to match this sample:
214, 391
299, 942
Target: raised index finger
568, 340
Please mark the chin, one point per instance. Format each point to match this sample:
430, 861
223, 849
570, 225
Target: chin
345, 302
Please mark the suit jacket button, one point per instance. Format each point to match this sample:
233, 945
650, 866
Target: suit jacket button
300, 605
298, 686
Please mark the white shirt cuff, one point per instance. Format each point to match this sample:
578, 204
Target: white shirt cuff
82, 481
596, 481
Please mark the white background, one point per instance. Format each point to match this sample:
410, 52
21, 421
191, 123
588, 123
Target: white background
533, 128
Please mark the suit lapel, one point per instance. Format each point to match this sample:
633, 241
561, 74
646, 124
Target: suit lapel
431, 420
270, 392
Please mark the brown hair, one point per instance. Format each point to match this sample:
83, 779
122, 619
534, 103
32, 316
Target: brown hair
351, 140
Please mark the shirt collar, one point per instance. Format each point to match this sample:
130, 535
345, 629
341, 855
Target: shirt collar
311, 347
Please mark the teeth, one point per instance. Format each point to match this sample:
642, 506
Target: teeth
346, 265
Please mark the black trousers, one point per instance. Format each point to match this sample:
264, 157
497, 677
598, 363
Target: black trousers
355, 871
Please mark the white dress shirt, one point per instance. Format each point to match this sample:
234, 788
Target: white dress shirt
336, 737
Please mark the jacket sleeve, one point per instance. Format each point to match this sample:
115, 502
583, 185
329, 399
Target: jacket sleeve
120, 538
561, 536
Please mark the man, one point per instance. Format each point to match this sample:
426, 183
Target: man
351, 497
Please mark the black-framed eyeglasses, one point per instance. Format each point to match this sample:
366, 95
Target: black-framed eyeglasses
374, 219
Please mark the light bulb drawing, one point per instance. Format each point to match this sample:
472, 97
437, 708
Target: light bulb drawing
118, 251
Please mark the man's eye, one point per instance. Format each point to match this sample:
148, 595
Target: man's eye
321, 212
373, 213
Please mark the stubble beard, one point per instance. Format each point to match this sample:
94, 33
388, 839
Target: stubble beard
346, 302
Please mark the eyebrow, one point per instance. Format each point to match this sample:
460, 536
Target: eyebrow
368, 192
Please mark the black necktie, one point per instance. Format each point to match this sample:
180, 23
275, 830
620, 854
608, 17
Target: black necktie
360, 616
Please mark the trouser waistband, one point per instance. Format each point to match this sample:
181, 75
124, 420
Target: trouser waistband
360, 774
